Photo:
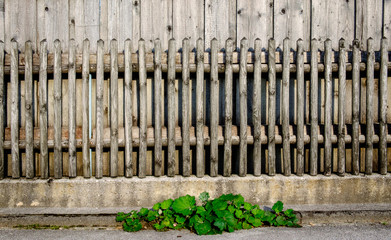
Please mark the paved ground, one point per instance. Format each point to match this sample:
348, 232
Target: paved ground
322, 232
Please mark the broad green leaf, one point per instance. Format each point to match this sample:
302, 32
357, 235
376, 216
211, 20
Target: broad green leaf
121, 216
278, 206
289, 213
231, 229
143, 212
200, 210
258, 213
219, 205
257, 222
203, 228
239, 226
180, 219
227, 197
166, 204
251, 220
227, 217
239, 213
220, 223
247, 206
280, 220
231, 208
152, 215
238, 200
156, 206
184, 205
204, 197
246, 226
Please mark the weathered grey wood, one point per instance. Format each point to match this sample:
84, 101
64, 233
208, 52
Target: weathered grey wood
214, 109
256, 116
2, 18
15, 110
186, 108
300, 107
57, 92
314, 108
129, 110
43, 109
356, 107
28, 78
369, 105
200, 108
114, 108
86, 122
272, 107
341, 107
243, 107
158, 108
143, 110
285, 109
228, 109
369, 21
2, 85
328, 109
99, 110
171, 108
72, 108
383, 107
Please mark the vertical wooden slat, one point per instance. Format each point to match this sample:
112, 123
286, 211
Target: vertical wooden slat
285, 108
171, 107
214, 109
200, 108
128, 109
86, 122
356, 108
369, 105
243, 107
328, 102
143, 110
383, 107
28, 77
43, 109
15, 109
114, 108
57, 110
341, 107
314, 108
72, 107
228, 108
272, 108
2, 161
300, 107
158, 107
257, 153
99, 110
185, 108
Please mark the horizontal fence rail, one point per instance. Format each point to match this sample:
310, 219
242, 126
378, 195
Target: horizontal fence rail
194, 112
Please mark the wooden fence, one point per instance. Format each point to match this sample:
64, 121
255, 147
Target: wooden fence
245, 111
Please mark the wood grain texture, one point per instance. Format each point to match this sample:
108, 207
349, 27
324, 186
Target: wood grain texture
143, 111
57, 108
114, 108
328, 130
243, 107
314, 109
99, 111
29, 125
356, 108
300, 108
186, 108
2, 116
272, 108
383, 107
171, 108
128, 109
2, 22
257, 108
285, 109
228, 108
369, 106
158, 108
72, 109
341, 107
16, 169
214, 109
43, 109
200, 109
86, 108
369, 22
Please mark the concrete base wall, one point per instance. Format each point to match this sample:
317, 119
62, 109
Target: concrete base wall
135, 192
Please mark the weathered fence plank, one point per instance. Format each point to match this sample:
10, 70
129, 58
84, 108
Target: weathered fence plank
341, 107
185, 108
143, 111
272, 108
2, 87
369, 22
356, 108
28, 77
369, 106
15, 110
43, 108
257, 108
243, 107
129, 110
86, 106
57, 92
383, 107
300, 108
171, 108
158, 108
99, 111
114, 108
285, 109
314, 108
72, 108
214, 109
228, 108
328, 130
200, 108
